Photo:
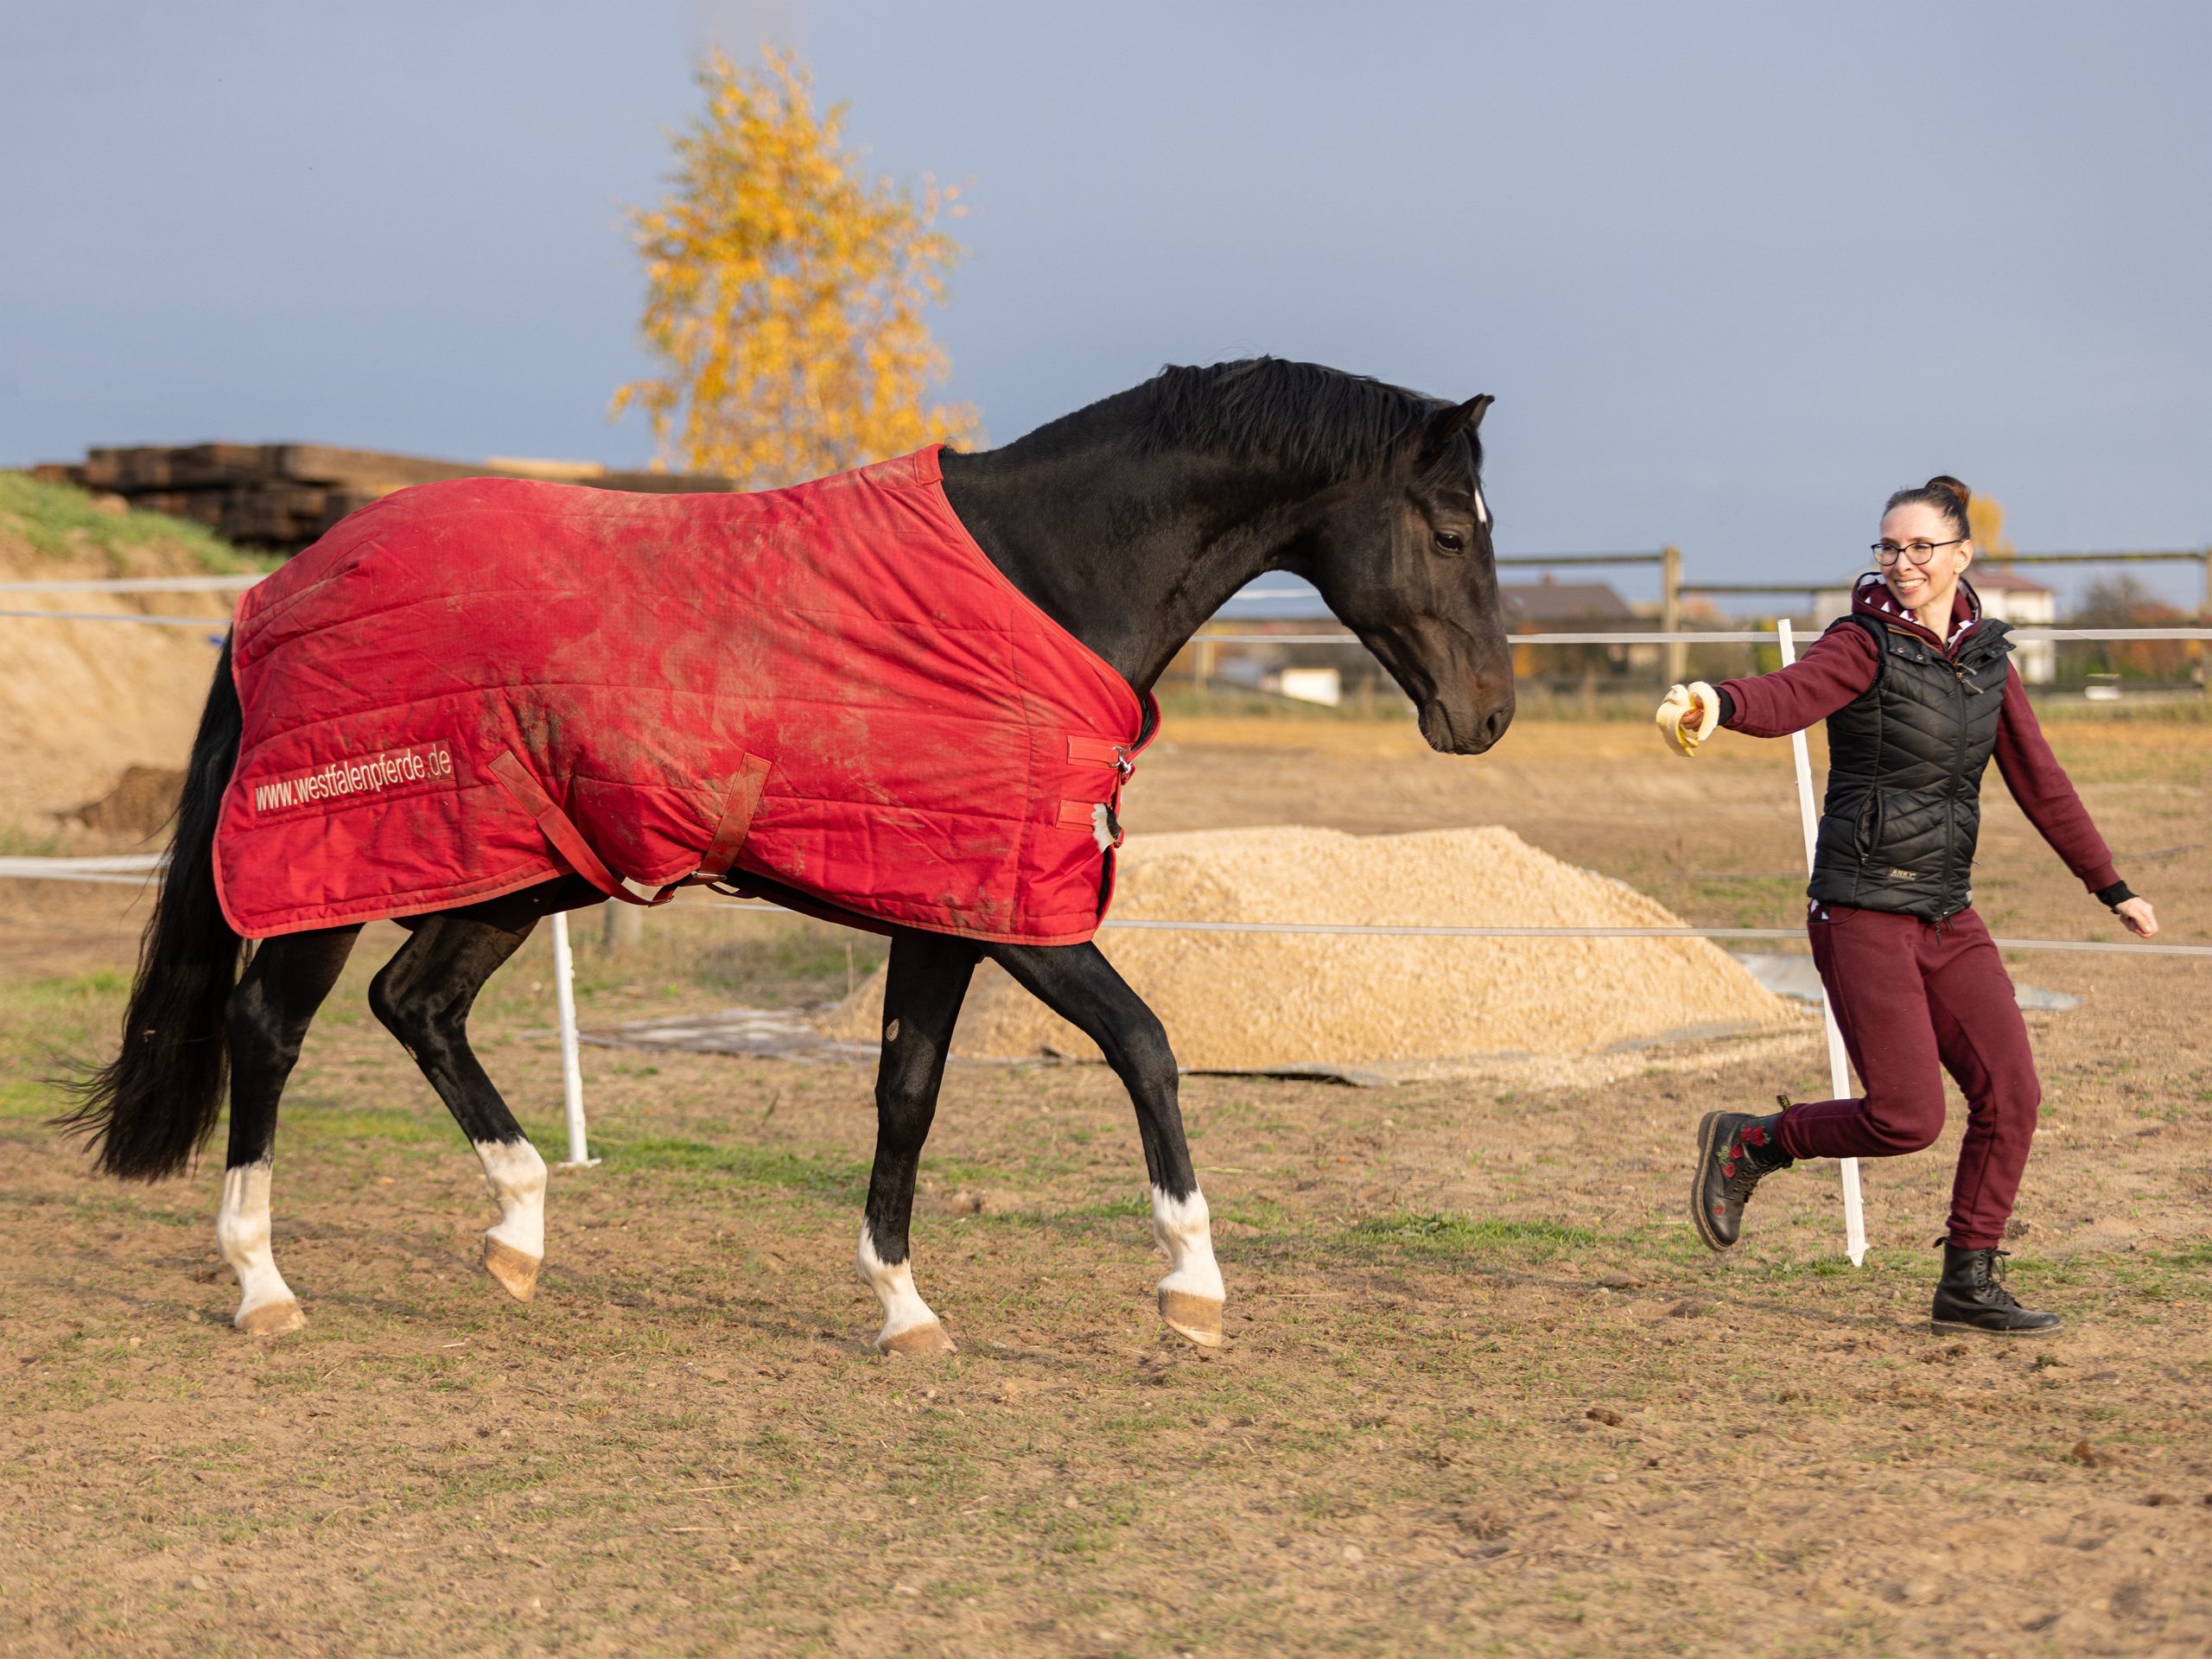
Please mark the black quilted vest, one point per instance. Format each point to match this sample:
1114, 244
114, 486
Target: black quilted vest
1905, 760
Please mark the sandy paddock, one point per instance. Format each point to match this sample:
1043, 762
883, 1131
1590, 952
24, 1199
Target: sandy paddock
1483, 1391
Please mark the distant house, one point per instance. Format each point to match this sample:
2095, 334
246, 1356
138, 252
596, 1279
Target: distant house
2005, 595
1279, 602
1548, 606
1547, 603
2013, 598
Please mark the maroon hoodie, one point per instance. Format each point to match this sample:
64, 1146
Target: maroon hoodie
1841, 665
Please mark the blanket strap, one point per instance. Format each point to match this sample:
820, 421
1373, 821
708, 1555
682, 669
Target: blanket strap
721, 856
1097, 752
737, 822
560, 830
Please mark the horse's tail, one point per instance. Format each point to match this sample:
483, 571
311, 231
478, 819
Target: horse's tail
146, 1111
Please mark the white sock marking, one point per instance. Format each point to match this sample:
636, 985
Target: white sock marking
1185, 1229
242, 1235
902, 1307
515, 1175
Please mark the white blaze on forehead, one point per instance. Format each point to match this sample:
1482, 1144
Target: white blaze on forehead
1482, 508
516, 1177
904, 1309
242, 1235
1185, 1229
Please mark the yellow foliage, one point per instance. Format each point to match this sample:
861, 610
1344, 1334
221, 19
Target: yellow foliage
1986, 525
785, 293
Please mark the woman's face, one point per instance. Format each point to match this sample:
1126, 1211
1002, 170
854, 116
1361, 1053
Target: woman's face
1917, 587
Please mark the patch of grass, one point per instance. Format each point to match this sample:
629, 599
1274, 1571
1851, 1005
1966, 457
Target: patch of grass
770, 1167
18, 842
58, 520
304, 1114
27, 1100
2130, 1277
806, 960
44, 1025
104, 985
1464, 1236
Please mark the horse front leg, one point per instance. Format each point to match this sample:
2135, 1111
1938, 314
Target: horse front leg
1077, 984
923, 990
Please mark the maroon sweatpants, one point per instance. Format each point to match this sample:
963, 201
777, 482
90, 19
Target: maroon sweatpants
1915, 1002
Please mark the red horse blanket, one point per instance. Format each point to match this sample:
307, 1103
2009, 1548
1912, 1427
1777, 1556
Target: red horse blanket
468, 688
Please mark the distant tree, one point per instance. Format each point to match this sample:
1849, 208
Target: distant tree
2121, 601
784, 292
1986, 525
2116, 601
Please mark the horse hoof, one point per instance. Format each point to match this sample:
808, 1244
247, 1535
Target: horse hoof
271, 1319
924, 1339
1198, 1317
517, 1272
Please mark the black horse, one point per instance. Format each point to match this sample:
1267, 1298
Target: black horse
1128, 523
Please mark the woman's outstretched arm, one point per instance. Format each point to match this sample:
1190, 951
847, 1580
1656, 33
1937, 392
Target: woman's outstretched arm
1840, 665
2049, 798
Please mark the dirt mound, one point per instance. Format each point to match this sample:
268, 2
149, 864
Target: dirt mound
81, 703
142, 801
1253, 1002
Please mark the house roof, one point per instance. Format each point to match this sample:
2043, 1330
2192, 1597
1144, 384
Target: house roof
1997, 579
1562, 601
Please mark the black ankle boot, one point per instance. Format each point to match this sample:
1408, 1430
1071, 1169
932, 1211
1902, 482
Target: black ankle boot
1971, 1296
1735, 1149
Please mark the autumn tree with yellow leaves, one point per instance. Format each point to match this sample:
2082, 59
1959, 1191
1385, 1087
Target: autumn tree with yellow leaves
1986, 525
785, 292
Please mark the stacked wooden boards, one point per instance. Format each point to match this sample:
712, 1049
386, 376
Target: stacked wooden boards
281, 496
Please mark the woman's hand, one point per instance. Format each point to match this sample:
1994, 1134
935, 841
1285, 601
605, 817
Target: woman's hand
1688, 715
2140, 919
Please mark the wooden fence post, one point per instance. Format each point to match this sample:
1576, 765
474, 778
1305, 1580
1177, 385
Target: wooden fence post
623, 925
1670, 609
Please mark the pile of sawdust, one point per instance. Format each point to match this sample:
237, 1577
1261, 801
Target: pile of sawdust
1264, 1001
80, 702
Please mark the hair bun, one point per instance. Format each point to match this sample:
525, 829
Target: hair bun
1944, 484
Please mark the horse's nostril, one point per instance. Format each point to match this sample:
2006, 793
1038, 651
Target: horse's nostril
1494, 727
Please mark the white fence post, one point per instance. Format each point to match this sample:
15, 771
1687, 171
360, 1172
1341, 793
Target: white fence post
572, 1067
1854, 1209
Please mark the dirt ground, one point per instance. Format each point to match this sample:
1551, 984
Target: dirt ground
1483, 1392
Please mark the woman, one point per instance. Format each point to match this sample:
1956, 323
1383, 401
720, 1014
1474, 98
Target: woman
1918, 697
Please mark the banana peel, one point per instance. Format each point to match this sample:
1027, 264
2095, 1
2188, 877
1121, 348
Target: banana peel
1688, 715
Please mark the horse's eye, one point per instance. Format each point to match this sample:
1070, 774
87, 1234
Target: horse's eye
1451, 541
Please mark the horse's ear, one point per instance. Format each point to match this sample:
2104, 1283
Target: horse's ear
1448, 423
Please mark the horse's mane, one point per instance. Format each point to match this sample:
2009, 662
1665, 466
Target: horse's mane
1316, 420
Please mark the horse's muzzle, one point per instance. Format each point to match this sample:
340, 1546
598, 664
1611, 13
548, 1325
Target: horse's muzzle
1470, 732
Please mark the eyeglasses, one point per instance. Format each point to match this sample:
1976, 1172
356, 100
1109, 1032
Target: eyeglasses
1917, 552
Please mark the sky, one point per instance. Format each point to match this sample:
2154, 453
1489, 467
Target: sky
1734, 272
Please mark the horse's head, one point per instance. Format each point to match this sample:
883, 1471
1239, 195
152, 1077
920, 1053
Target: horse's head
1403, 557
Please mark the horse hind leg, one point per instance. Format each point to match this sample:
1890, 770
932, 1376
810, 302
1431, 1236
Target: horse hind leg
269, 1012
923, 990
423, 996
